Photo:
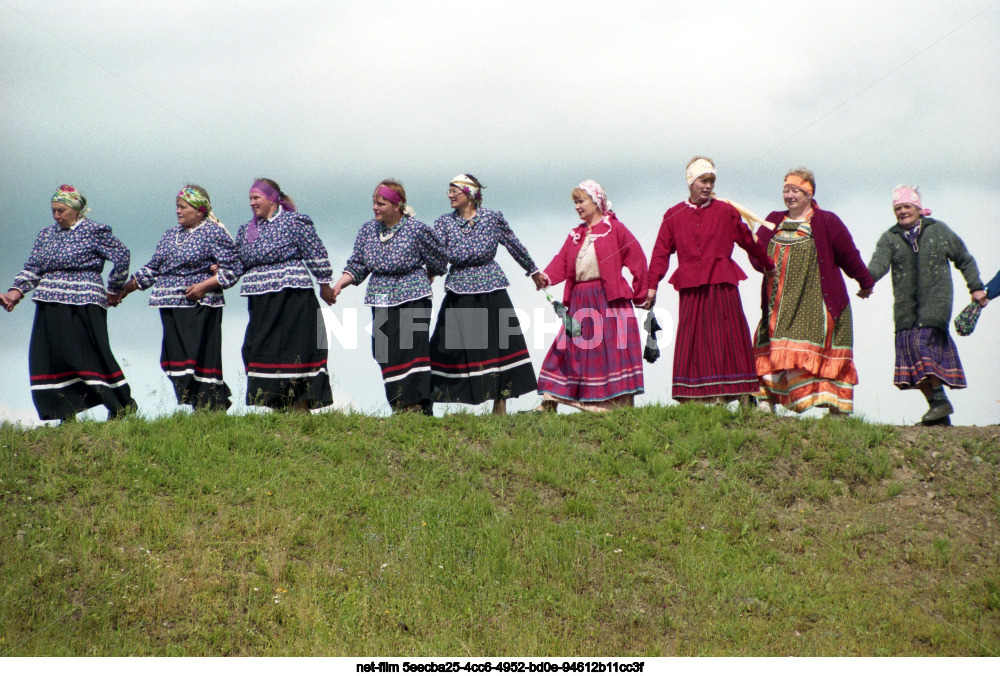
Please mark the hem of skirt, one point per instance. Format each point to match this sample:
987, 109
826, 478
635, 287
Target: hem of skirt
542, 392
835, 364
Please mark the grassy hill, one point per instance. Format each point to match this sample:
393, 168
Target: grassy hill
657, 531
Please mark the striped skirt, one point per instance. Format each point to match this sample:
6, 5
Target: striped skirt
70, 362
712, 355
604, 363
924, 352
191, 356
478, 351
401, 346
284, 351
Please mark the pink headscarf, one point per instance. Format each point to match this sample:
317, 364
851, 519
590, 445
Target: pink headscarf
904, 194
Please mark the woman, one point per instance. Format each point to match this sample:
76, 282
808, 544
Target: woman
917, 250
713, 360
69, 358
602, 368
805, 341
285, 361
477, 350
401, 254
194, 261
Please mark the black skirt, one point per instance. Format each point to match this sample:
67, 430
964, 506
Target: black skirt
478, 351
284, 351
401, 346
70, 362
191, 356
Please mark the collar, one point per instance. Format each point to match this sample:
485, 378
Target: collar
703, 205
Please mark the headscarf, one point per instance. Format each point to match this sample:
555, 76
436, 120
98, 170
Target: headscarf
267, 191
71, 197
199, 200
596, 192
388, 193
470, 187
800, 183
699, 167
904, 194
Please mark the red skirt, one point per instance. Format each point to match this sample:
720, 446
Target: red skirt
602, 363
713, 356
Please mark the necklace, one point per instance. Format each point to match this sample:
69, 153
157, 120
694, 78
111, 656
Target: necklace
186, 232
387, 233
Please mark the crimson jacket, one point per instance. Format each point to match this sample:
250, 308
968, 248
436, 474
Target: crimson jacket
703, 236
834, 249
619, 249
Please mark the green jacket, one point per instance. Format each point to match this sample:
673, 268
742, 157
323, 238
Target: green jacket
921, 280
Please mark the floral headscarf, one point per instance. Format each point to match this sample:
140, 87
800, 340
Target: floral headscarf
199, 200
71, 197
469, 186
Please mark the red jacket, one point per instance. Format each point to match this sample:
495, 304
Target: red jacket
703, 238
618, 250
835, 251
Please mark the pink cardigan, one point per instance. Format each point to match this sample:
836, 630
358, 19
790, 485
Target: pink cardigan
620, 249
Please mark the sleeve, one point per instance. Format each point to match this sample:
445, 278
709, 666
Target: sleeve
756, 251
311, 249
29, 277
965, 263
146, 276
881, 260
993, 287
846, 254
514, 247
112, 249
356, 265
635, 260
433, 251
227, 257
558, 270
659, 261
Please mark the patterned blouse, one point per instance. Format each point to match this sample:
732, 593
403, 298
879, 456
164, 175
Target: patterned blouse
183, 257
65, 265
398, 261
472, 247
285, 251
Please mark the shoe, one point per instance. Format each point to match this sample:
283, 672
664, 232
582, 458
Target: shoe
765, 406
942, 409
941, 422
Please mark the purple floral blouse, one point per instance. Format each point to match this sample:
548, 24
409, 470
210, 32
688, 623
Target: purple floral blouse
184, 257
65, 265
472, 245
399, 264
285, 251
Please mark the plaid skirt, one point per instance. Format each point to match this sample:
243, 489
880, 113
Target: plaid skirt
71, 364
478, 351
605, 361
284, 350
927, 351
712, 355
401, 346
191, 356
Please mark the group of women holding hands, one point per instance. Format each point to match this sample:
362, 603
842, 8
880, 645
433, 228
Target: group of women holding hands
800, 356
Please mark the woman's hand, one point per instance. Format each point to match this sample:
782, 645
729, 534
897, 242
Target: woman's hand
196, 292
10, 299
345, 280
650, 300
541, 280
980, 297
327, 294
865, 293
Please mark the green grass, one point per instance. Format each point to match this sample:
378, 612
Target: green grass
657, 531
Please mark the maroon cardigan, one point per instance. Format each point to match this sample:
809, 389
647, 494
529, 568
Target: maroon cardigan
834, 249
617, 250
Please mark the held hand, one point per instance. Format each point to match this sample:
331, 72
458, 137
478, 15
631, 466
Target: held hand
650, 300
865, 293
541, 280
980, 297
328, 294
195, 292
773, 272
214, 269
114, 299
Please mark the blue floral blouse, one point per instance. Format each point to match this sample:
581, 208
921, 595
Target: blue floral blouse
471, 246
399, 264
285, 251
184, 257
65, 265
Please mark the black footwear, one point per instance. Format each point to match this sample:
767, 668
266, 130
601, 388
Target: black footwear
942, 409
940, 422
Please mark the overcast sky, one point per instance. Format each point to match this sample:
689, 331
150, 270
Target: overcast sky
129, 101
